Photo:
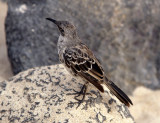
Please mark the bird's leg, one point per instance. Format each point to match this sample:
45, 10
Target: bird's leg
83, 93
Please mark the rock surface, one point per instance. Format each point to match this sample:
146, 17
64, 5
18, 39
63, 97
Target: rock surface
48, 94
124, 34
5, 67
146, 105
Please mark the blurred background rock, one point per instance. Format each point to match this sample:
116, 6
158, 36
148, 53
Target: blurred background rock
5, 68
124, 35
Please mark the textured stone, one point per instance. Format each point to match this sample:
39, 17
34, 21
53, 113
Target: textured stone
146, 105
48, 94
124, 34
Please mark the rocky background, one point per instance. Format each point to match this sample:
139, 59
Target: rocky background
124, 35
5, 68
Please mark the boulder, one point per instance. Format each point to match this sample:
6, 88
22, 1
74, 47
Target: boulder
146, 105
123, 34
49, 95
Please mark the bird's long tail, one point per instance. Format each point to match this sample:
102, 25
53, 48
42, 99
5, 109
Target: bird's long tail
118, 92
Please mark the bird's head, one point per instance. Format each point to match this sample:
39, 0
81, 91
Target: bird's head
65, 27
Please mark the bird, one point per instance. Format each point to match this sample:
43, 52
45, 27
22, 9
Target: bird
80, 61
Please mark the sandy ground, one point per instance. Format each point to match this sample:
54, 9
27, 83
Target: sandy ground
5, 68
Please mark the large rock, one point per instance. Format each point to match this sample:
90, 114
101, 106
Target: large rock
125, 36
48, 95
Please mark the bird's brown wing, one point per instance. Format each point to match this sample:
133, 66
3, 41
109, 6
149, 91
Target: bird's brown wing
79, 59
83, 63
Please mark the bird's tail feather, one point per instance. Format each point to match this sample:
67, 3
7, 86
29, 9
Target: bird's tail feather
118, 92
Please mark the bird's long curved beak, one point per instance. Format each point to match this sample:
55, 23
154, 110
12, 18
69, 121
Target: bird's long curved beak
52, 20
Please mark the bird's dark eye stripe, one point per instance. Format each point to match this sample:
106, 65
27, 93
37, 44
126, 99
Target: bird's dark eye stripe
61, 31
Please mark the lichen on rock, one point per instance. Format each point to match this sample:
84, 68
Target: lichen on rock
48, 94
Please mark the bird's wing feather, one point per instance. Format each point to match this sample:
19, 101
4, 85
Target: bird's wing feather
83, 63
118, 92
79, 59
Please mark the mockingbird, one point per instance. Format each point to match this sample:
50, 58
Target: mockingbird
79, 60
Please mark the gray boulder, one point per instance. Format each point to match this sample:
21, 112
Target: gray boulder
49, 95
124, 35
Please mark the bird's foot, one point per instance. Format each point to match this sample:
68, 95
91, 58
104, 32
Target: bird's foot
79, 93
83, 93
